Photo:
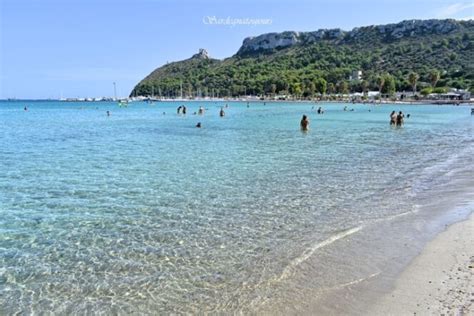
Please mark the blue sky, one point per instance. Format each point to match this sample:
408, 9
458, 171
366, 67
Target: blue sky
78, 48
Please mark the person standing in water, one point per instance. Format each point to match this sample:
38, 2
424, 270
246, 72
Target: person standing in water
201, 110
304, 124
222, 113
393, 118
184, 110
400, 117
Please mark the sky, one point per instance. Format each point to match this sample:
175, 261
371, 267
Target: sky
79, 48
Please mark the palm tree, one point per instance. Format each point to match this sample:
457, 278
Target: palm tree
413, 78
364, 85
380, 82
434, 77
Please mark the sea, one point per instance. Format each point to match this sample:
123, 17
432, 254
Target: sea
140, 212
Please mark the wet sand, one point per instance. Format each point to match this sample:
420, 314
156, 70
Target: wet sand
440, 281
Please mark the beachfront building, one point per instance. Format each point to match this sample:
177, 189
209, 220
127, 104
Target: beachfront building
373, 95
451, 95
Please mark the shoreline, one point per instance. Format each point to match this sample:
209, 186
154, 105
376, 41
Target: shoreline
439, 280
254, 100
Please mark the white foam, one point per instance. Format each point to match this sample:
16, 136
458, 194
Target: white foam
340, 286
311, 250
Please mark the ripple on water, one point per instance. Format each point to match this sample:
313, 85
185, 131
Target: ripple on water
142, 212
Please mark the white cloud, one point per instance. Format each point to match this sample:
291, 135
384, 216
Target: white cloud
462, 10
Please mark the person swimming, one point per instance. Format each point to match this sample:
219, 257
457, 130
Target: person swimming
393, 118
304, 124
198, 125
108, 113
201, 110
222, 113
25, 108
320, 110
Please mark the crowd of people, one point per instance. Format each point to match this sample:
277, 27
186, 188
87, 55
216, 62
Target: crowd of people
396, 119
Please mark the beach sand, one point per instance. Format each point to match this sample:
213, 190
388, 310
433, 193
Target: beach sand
439, 281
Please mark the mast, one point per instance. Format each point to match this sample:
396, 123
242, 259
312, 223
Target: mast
115, 91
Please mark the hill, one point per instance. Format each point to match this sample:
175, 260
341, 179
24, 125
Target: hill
440, 52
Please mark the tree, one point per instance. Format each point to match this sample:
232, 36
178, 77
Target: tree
320, 85
296, 89
309, 89
331, 88
434, 77
364, 85
426, 91
389, 84
413, 78
273, 88
380, 83
343, 87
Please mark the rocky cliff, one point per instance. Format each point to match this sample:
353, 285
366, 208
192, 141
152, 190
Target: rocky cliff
388, 32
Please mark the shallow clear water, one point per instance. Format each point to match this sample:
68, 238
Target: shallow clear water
141, 211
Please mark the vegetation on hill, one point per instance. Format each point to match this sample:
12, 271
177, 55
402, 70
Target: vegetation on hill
418, 59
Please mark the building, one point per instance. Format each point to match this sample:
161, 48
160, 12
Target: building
452, 95
356, 75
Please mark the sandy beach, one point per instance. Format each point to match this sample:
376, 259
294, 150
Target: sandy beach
439, 281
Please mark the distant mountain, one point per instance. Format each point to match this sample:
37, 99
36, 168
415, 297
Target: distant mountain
328, 60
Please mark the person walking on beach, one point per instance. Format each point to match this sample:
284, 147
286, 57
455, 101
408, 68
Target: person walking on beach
393, 118
304, 123
400, 117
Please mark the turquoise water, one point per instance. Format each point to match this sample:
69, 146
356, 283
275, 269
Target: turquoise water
141, 211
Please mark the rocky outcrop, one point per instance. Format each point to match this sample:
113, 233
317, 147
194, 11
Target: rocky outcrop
280, 40
270, 41
409, 28
202, 54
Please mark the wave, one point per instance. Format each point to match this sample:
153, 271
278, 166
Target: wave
311, 250
436, 174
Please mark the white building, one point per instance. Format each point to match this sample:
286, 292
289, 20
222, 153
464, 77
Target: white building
356, 75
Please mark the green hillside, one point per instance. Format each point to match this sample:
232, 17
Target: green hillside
440, 52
